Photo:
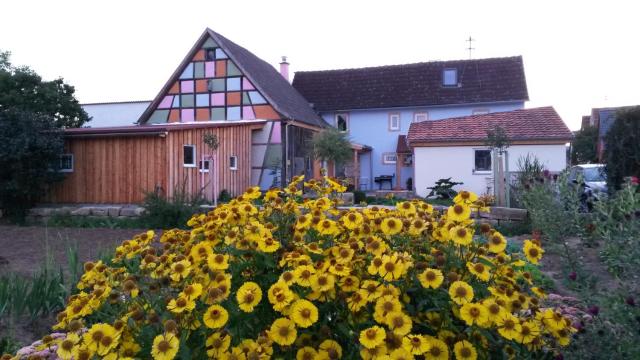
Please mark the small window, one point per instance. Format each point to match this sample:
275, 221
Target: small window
210, 54
342, 122
389, 158
421, 116
394, 122
450, 77
482, 160
189, 157
479, 111
66, 163
233, 162
203, 166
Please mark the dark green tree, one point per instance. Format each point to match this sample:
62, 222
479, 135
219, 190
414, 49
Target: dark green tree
33, 113
332, 145
622, 147
583, 149
22, 89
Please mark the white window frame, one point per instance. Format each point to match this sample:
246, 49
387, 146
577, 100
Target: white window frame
67, 170
481, 172
480, 111
346, 118
457, 80
233, 162
386, 161
395, 116
201, 168
418, 114
195, 162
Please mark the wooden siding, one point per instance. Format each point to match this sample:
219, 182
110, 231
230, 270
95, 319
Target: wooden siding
234, 140
112, 170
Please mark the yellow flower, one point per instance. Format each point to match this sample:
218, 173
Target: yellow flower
417, 227
391, 226
306, 353
201, 251
465, 197
465, 350
460, 292
415, 344
400, 354
192, 291
532, 251
65, 347
529, 330
268, 244
180, 270
181, 304
461, 235
327, 227
459, 212
217, 343
399, 323
384, 306
349, 283
303, 275
248, 296
330, 348
406, 208
215, 317
494, 310
280, 296
101, 338
165, 347
372, 337
357, 300
508, 326
283, 332
351, 220
322, 282
252, 193
392, 268
218, 261
431, 278
474, 313
304, 313
438, 350
479, 270
497, 243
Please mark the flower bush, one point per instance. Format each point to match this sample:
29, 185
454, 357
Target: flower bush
300, 278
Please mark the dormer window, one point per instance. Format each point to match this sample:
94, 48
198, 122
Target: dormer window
450, 77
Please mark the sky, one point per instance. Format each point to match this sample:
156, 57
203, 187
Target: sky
577, 54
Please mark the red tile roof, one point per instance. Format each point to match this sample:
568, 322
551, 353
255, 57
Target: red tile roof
542, 123
402, 147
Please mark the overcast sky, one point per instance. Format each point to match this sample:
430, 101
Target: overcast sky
577, 54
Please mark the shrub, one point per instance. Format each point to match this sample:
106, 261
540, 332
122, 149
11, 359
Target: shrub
162, 212
443, 189
359, 196
296, 278
224, 196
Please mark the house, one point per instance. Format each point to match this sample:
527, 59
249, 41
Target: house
377, 105
220, 89
602, 119
455, 147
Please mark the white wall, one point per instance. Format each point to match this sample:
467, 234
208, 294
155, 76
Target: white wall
457, 162
114, 114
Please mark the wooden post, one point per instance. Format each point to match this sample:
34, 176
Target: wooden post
356, 170
399, 159
507, 177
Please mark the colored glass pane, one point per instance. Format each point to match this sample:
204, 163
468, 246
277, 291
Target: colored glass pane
218, 99
220, 54
202, 100
217, 85
247, 113
256, 98
198, 70
199, 56
202, 114
186, 100
186, 86
276, 136
159, 117
187, 115
232, 70
245, 98
209, 43
174, 115
233, 113
233, 98
246, 84
187, 73
210, 69
201, 86
217, 114
233, 84
176, 102
166, 102
221, 68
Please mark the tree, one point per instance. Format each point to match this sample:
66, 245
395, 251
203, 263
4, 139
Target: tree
21, 88
584, 146
33, 114
622, 147
332, 145
30, 148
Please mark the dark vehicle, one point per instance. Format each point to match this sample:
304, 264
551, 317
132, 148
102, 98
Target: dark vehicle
593, 179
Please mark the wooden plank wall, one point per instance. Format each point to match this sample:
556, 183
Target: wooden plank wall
234, 140
113, 170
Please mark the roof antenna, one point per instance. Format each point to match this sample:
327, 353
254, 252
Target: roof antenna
470, 40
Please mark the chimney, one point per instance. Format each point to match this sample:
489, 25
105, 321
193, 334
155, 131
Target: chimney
284, 68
